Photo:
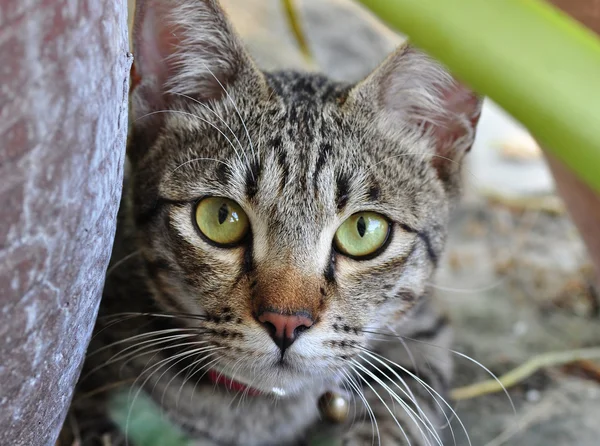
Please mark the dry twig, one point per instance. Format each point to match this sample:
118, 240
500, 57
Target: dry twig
524, 371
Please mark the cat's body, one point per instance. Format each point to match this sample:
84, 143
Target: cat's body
284, 310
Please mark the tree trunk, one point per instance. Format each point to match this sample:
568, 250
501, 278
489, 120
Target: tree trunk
63, 123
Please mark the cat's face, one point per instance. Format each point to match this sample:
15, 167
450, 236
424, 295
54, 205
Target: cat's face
296, 216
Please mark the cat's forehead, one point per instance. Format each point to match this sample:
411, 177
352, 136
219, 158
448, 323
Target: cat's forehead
314, 89
295, 154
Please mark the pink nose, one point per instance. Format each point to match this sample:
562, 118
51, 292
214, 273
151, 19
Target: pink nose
283, 328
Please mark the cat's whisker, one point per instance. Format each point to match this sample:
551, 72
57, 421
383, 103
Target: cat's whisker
164, 314
122, 261
194, 367
200, 119
215, 113
151, 334
426, 386
365, 381
206, 369
349, 391
416, 369
210, 352
356, 386
238, 113
406, 391
239, 363
139, 352
467, 357
182, 357
462, 355
151, 343
434, 397
155, 368
242, 394
118, 318
417, 420
148, 349
193, 160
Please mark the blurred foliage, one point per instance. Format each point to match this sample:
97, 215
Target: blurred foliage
536, 62
142, 421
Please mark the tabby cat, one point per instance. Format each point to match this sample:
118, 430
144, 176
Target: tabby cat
276, 242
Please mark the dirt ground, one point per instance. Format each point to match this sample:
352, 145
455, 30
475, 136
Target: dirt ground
515, 279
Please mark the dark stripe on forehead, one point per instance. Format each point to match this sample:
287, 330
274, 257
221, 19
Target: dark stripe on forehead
223, 173
285, 169
294, 86
374, 191
324, 152
342, 191
253, 171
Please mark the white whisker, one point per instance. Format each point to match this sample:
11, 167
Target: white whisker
200, 119
238, 113
361, 395
216, 114
421, 383
425, 385
431, 428
407, 409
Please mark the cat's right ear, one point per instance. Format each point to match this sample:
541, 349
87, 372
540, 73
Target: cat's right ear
185, 47
411, 91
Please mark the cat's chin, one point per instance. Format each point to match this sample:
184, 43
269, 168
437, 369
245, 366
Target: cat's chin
274, 382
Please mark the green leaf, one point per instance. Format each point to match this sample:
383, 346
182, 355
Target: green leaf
537, 63
141, 420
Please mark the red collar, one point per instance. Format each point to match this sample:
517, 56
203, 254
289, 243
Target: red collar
230, 384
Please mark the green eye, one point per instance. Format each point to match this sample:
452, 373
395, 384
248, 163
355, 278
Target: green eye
222, 220
362, 234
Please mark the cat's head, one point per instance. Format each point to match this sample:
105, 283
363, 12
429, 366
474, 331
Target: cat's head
296, 215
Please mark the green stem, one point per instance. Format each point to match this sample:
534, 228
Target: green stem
537, 63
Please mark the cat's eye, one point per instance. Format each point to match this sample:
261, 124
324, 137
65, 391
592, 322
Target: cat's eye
362, 234
222, 221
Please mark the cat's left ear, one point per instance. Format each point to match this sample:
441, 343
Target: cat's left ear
186, 47
409, 90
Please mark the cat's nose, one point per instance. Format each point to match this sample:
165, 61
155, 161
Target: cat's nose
284, 328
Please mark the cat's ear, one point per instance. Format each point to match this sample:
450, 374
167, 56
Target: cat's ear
185, 47
412, 90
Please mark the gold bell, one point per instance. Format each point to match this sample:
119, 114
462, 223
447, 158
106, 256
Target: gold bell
334, 407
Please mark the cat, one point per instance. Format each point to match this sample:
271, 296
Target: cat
276, 243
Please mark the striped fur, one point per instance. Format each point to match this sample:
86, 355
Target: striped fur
300, 154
